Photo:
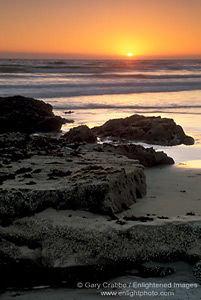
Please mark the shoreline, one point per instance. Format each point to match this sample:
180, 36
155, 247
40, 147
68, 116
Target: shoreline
71, 206
172, 191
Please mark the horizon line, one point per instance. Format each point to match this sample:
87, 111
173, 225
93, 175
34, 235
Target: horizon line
71, 56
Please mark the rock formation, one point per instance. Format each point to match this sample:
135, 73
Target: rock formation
53, 246
152, 130
80, 134
147, 157
64, 206
42, 173
28, 115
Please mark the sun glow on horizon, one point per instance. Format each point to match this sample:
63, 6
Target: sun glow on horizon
148, 28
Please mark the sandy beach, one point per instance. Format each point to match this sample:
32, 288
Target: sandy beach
172, 191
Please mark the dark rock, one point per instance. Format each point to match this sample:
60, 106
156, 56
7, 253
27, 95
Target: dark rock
152, 130
17, 155
14, 139
59, 173
30, 183
190, 213
36, 171
147, 272
49, 124
197, 270
27, 176
69, 112
141, 218
58, 244
4, 177
23, 170
65, 121
28, 115
148, 157
80, 134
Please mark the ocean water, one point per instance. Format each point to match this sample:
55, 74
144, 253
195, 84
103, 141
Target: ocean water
98, 90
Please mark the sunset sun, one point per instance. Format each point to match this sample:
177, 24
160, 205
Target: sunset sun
130, 54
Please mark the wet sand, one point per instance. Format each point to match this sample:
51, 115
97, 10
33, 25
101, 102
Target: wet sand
172, 191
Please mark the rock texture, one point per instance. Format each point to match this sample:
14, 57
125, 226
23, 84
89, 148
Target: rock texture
29, 115
42, 173
80, 134
148, 157
152, 130
69, 245
59, 206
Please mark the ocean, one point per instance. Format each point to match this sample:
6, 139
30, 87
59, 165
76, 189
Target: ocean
98, 90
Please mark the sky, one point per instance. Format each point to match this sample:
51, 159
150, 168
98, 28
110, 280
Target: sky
100, 28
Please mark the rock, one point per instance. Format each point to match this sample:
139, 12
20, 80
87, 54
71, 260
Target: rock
197, 270
91, 181
80, 134
69, 112
152, 130
27, 115
147, 272
49, 124
65, 246
148, 157
141, 218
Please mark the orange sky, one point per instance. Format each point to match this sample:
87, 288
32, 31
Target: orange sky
100, 28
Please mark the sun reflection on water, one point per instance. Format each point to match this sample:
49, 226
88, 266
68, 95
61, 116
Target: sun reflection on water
191, 164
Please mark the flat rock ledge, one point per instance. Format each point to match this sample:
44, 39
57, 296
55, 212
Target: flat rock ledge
151, 130
66, 245
148, 157
50, 175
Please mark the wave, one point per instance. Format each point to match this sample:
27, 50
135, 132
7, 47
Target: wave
96, 66
91, 78
59, 91
74, 78
134, 107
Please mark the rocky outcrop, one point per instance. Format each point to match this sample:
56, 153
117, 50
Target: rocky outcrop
152, 130
47, 173
147, 157
69, 245
80, 134
28, 115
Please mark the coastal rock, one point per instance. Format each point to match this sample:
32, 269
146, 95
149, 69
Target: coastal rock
197, 270
147, 157
80, 134
68, 179
64, 245
152, 130
49, 124
28, 115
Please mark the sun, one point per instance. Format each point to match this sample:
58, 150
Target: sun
130, 54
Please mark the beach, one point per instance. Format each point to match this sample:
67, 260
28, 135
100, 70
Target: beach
171, 206
172, 192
